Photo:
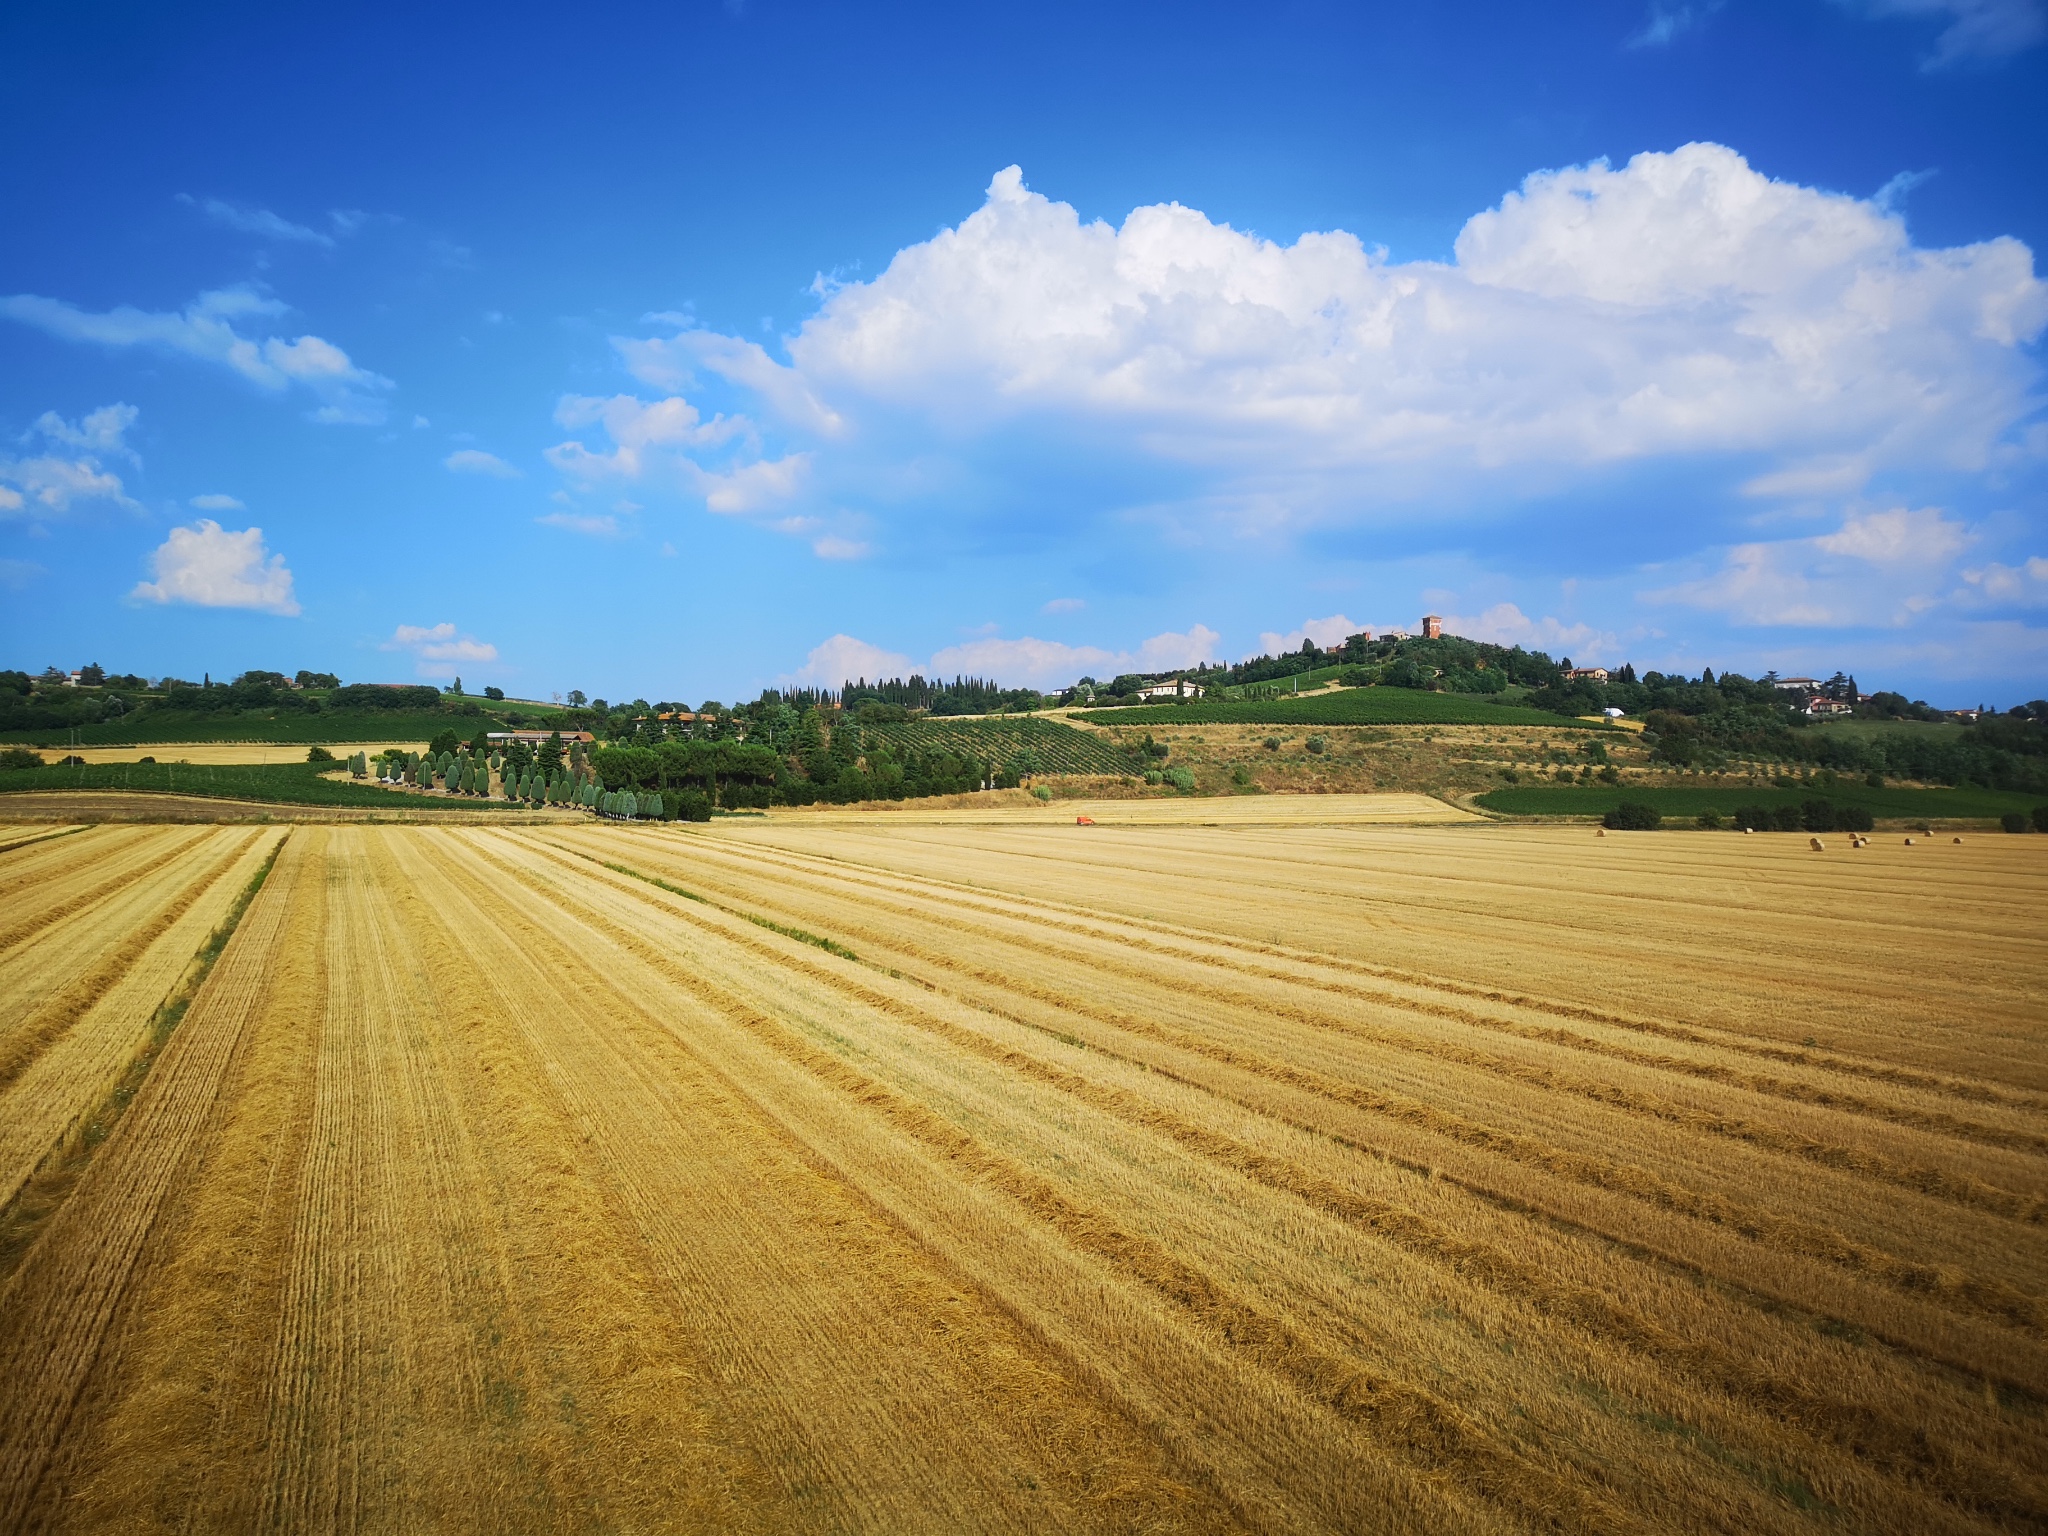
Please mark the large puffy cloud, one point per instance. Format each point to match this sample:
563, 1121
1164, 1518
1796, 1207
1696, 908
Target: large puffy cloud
1680, 308
70, 467
1681, 304
207, 329
214, 567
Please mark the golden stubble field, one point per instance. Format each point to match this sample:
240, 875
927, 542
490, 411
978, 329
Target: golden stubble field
856, 1175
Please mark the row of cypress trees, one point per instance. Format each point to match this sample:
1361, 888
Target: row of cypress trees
626, 804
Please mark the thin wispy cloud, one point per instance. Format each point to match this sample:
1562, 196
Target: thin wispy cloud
256, 221
1669, 20
1975, 31
207, 329
474, 461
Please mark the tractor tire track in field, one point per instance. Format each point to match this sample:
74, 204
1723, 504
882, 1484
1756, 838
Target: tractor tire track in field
1940, 1183
57, 1307
1981, 1295
382, 1298
1865, 1430
1248, 1326
49, 1100
66, 893
1214, 949
784, 1338
1324, 1384
1096, 922
121, 931
39, 837
636, 1179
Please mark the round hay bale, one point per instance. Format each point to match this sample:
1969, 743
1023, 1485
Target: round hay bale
1816, 845
1958, 839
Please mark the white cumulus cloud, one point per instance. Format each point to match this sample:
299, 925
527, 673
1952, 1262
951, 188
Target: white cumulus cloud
1679, 306
841, 658
215, 567
45, 484
207, 329
438, 650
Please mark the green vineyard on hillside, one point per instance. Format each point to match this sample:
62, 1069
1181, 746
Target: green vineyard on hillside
1058, 748
1346, 706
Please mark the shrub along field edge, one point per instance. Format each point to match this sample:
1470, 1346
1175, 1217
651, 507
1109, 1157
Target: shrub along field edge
289, 783
1347, 706
1683, 802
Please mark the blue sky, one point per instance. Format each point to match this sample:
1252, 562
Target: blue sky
680, 350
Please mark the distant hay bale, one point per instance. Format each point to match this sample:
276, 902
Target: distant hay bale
1816, 845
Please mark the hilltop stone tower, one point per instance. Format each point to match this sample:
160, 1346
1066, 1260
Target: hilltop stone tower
1432, 627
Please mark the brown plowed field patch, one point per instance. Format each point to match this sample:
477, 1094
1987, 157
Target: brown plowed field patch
895, 1175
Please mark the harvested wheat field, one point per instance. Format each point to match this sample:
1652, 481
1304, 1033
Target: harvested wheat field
1019, 807
876, 1174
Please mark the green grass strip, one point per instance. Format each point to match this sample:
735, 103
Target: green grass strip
30, 842
828, 945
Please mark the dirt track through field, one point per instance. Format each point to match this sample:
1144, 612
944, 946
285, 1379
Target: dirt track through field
847, 1176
